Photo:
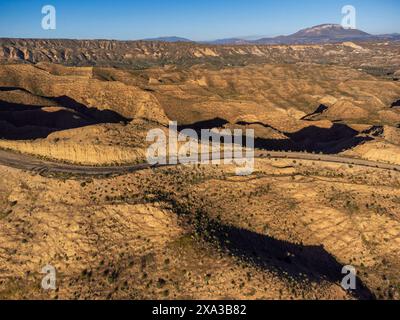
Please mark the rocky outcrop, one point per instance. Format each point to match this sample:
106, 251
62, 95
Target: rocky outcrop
82, 153
147, 53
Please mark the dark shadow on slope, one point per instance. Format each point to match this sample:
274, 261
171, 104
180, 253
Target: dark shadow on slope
204, 125
244, 123
10, 106
7, 89
335, 139
25, 122
99, 116
331, 140
375, 131
292, 261
11, 132
69, 103
321, 109
339, 137
396, 104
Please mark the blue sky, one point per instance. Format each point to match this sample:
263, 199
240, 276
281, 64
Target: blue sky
194, 19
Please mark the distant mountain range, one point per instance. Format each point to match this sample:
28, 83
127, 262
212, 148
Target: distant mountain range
318, 34
324, 33
169, 39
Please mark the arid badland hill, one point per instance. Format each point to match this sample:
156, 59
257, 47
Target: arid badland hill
286, 231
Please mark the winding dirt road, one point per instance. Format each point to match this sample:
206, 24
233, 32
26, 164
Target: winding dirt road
31, 163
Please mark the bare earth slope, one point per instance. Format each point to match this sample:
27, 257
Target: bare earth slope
373, 55
155, 234
294, 107
76, 192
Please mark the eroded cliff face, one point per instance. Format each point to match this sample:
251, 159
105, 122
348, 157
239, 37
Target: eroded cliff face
79, 153
292, 107
283, 233
147, 53
128, 101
